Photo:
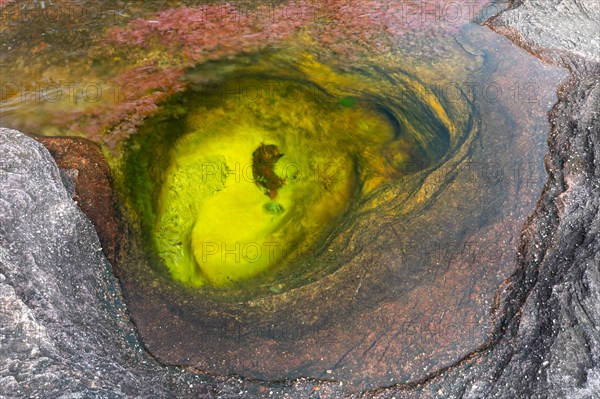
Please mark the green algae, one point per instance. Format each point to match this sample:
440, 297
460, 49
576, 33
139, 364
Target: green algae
347, 101
214, 225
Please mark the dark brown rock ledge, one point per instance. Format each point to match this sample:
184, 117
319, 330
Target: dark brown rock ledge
82, 161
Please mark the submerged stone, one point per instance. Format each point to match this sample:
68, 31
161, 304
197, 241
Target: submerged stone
264, 159
274, 208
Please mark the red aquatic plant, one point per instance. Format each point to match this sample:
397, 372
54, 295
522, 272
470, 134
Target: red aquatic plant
134, 95
191, 36
187, 36
213, 31
5, 3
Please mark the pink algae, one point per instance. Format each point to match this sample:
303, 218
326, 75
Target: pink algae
188, 36
214, 31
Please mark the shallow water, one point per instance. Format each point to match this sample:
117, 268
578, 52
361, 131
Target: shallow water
436, 129
213, 224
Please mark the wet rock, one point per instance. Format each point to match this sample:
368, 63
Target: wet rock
85, 167
64, 327
415, 275
548, 346
555, 346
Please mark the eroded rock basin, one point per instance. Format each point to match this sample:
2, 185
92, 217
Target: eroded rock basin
247, 179
403, 281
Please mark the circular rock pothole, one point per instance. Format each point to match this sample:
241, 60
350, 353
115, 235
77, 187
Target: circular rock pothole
238, 166
241, 182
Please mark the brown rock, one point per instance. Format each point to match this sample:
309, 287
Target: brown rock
93, 186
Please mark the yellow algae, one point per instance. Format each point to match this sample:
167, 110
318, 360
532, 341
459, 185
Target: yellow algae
214, 224
337, 138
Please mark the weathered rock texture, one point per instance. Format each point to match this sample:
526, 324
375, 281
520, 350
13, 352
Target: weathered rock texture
82, 162
64, 329
555, 30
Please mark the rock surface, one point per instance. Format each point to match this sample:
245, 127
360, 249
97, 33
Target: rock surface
65, 330
393, 298
63, 325
557, 31
82, 162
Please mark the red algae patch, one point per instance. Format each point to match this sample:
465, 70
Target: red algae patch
146, 57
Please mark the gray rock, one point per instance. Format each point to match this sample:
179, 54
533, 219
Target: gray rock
555, 29
64, 328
